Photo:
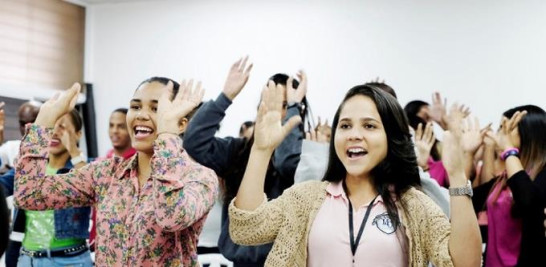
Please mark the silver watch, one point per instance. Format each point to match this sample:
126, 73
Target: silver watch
462, 191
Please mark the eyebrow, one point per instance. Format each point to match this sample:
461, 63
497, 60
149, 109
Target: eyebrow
140, 101
361, 119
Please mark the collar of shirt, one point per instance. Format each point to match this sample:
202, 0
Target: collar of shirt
335, 189
125, 166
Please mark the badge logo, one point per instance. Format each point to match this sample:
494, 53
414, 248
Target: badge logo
384, 223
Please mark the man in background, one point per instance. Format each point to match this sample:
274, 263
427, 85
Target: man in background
8, 151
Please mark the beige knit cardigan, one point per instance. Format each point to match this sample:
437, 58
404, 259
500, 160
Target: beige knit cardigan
287, 220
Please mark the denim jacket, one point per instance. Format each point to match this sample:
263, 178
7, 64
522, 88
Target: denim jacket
69, 223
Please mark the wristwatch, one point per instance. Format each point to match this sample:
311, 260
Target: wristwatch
462, 191
77, 160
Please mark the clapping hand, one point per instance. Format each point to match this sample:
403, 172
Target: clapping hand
472, 135
424, 140
438, 110
268, 129
296, 95
452, 151
505, 139
170, 111
237, 78
57, 106
316, 136
69, 139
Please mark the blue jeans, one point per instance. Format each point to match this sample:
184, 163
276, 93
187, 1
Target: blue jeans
82, 260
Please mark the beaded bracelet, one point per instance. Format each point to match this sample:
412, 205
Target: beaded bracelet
509, 152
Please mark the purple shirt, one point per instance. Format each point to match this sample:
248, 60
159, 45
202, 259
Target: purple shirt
380, 245
504, 232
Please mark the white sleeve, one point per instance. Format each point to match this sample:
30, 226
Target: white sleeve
432, 189
313, 161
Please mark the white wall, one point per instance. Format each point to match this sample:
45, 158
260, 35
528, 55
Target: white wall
486, 54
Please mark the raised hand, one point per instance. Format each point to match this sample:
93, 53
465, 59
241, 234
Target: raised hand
424, 140
324, 130
69, 139
490, 139
296, 95
170, 112
455, 116
268, 129
438, 109
237, 78
316, 136
505, 138
453, 152
57, 106
472, 135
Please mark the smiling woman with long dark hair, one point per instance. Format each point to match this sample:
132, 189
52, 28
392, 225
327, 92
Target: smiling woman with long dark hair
151, 207
366, 211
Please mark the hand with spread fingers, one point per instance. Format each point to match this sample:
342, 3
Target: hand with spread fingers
453, 152
438, 110
473, 136
439, 114
424, 140
455, 116
268, 129
296, 95
323, 131
170, 111
505, 136
316, 136
237, 78
57, 106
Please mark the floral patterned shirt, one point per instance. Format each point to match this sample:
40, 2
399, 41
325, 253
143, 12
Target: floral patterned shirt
157, 224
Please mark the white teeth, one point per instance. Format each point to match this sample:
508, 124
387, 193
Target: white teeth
356, 150
143, 129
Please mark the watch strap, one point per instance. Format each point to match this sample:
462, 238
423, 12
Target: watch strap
462, 191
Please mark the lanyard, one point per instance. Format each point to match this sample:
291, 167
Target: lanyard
354, 243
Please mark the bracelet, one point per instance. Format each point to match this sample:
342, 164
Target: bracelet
509, 152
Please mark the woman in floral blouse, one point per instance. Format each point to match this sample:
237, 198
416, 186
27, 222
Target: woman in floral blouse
151, 207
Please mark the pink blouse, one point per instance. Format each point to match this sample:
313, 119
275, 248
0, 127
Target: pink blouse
381, 244
503, 231
157, 224
438, 172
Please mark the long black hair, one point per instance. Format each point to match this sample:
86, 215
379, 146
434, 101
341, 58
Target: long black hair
532, 140
411, 109
398, 171
532, 144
